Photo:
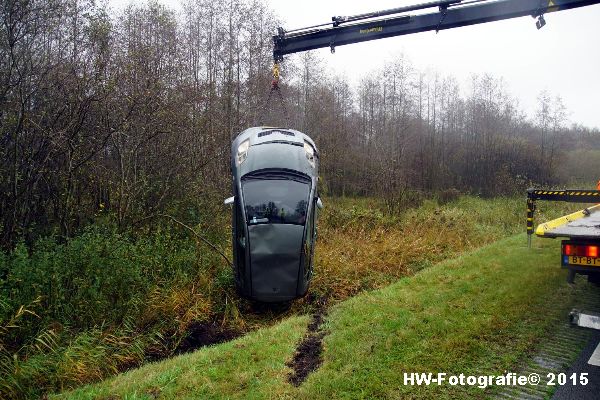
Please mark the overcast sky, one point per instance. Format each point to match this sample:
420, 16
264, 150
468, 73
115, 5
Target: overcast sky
563, 57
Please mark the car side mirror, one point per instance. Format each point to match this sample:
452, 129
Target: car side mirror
229, 200
319, 203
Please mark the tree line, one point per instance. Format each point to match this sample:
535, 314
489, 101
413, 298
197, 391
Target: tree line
133, 113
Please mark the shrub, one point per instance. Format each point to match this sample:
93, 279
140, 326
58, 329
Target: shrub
97, 277
448, 196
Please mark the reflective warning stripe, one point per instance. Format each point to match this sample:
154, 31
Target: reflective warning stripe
580, 196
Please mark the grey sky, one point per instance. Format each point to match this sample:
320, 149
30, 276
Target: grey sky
563, 57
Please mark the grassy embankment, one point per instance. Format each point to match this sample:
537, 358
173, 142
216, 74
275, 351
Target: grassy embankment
107, 301
360, 247
475, 314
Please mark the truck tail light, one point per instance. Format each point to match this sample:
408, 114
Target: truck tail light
580, 250
568, 250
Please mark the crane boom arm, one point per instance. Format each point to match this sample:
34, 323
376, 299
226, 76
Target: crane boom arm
450, 14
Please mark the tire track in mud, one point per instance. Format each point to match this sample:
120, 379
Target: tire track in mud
308, 356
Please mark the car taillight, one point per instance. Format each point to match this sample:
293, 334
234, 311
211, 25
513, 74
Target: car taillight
592, 251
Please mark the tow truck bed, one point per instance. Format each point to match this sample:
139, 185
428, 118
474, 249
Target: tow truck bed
584, 224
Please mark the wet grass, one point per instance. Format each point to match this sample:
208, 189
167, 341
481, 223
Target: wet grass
361, 247
474, 314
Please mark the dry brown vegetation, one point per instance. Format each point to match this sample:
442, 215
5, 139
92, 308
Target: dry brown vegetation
361, 246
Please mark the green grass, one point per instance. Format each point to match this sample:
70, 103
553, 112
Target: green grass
478, 314
92, 322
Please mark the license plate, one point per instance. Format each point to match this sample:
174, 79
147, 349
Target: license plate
579, 260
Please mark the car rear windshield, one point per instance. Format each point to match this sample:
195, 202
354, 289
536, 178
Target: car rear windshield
275, 201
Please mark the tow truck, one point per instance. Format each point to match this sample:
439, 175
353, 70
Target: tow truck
581, 239
581, 230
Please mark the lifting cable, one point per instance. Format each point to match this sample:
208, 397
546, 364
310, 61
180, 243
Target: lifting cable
275, 88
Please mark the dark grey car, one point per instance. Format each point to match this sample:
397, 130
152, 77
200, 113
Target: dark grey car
275, 204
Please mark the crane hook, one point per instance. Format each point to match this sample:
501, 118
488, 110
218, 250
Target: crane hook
275, 81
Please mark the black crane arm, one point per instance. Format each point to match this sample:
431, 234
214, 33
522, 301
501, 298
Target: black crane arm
450, 14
